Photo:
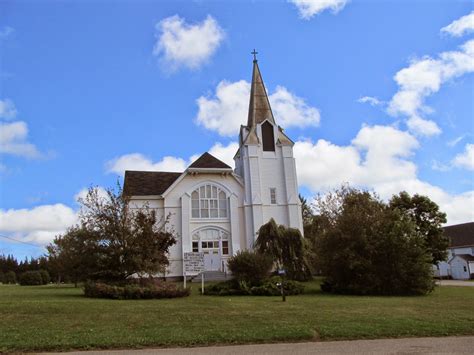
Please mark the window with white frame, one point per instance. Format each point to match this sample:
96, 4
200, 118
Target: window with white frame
273, 195
209, 201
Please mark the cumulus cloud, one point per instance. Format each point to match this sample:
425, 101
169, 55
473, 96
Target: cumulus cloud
7, 109
180, 44
309, 8
139, 162
13, 140
378, 158
39, 224
136, 161
293, 111
227, 109
372, 101
465, 159
422, 78
460, 26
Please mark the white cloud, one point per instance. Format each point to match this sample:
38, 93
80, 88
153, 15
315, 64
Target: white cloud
13, 140
101, 192
6, 32
460, 26
221, 152
228, 108
465, 159
422, 78
39, 224
378, 158
372, 101
291, 110
188, 45
136, 161
455, 141
7, 109
436, 165
308, 8
423, 127
139, 162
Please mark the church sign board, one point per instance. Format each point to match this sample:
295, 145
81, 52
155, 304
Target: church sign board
193, 262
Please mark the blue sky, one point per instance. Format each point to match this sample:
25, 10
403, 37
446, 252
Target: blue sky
375, 93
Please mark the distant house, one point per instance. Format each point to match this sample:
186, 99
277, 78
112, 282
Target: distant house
460, 262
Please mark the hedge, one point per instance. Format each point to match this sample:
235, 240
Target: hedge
134, 291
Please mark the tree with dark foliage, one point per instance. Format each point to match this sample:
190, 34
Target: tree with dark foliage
428, 222
366, 247
287, 248
113, 240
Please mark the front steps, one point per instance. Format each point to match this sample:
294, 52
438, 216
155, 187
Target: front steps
212, 276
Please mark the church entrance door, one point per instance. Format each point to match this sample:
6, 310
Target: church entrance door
212, 258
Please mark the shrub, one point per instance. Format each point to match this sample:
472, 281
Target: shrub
45, 278
2, 277
134, 291
225, 288
250, 267
270, 287
31, 278
267, 287
10, 277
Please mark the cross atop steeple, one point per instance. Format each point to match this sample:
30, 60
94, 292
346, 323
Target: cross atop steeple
259, 107
254, 55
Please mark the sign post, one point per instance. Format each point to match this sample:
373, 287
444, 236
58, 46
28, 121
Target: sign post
282, 273
194, 264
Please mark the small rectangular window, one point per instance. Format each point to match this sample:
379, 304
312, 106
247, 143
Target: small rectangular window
195, 247
225, 247
273, 198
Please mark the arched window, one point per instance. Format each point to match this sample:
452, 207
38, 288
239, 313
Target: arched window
268, 137
209, 201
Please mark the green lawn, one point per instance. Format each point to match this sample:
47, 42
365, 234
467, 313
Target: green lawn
60, 318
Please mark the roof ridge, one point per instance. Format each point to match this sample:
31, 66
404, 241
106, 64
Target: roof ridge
207, 160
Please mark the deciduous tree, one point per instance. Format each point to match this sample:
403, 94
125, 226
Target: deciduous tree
428, 222
113, 241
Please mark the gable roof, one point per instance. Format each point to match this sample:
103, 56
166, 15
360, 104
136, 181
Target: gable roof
466, 257
208, 161
146, 183
460, 235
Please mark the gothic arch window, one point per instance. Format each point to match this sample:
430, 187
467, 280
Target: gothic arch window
268, 137
209, 201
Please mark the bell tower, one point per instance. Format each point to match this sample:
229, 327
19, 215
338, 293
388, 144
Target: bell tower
266, 165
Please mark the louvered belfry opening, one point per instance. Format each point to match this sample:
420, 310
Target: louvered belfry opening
267, 137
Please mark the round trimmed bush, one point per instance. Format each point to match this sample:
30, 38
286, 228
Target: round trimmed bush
31, 278
250, 267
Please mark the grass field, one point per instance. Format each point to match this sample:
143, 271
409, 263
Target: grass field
60, 318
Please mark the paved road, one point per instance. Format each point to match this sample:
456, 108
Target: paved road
448, 345
456, 283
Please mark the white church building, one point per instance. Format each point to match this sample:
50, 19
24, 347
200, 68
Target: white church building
218, 210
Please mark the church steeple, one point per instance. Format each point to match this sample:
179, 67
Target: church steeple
259, 107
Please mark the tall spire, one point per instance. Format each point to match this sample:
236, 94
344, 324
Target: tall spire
259, 107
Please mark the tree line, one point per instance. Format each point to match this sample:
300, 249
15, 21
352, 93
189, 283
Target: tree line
12, 270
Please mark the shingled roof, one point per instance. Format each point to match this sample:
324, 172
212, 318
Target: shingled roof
146, 183
460, 234
208, 161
